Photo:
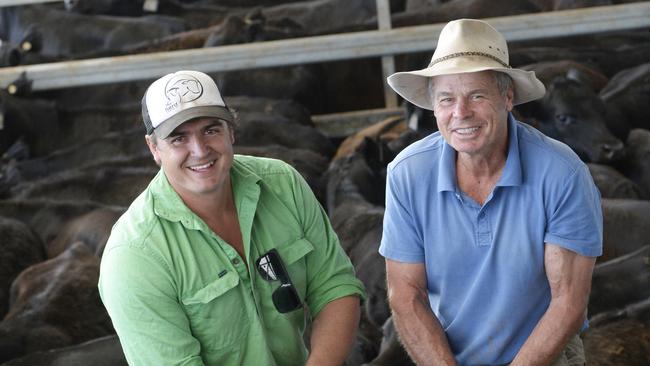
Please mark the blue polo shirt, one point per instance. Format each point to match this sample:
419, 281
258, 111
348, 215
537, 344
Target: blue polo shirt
485, 264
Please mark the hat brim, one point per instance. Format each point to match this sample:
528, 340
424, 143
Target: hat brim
414, 85
169, 125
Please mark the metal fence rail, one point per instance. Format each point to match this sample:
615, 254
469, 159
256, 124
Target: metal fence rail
26, 2
319, 49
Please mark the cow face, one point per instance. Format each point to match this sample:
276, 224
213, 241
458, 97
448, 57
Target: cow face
574, 114
196, 157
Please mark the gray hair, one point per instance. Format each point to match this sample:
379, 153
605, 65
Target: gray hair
502, 80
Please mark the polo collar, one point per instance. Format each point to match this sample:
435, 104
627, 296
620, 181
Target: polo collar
511, 175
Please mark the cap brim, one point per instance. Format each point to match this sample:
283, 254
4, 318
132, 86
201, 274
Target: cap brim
165, 128
414, 85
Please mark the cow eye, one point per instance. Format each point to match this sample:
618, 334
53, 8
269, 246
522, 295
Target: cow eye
565, 119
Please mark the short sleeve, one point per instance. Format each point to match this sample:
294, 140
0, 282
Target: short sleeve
401, 241
574, 216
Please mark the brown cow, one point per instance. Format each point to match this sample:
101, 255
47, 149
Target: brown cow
20, 247
104, 351
92, 229
623, 341
55, 304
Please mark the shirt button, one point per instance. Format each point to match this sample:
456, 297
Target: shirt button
235, 261
481, 215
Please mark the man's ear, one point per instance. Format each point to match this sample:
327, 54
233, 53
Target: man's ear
232, 135
510, 97
153, 148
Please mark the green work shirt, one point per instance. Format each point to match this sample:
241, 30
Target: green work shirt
178, 294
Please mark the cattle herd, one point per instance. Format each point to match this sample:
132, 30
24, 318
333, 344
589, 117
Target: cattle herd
72, 160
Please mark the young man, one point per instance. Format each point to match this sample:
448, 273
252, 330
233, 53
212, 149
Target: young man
491, 229
221, 258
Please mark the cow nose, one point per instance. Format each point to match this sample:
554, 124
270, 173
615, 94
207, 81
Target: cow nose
612, 150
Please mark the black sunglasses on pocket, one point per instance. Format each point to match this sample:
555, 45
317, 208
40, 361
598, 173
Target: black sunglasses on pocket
271, 268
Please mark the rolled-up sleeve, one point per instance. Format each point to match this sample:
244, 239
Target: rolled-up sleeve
330, 274
141, 299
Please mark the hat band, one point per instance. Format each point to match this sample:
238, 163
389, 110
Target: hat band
461, 54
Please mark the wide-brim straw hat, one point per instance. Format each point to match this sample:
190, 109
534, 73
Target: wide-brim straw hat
466, 45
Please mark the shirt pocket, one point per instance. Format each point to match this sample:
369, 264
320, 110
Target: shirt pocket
293, 254
217, 313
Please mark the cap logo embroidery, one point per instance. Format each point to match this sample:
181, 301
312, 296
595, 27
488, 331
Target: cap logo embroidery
181, 89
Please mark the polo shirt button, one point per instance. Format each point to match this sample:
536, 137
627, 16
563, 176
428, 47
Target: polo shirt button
481, 215
235, 261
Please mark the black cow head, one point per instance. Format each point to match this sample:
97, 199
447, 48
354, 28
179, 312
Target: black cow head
574, 114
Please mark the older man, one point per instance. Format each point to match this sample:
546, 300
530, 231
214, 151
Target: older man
491, 228
212, 263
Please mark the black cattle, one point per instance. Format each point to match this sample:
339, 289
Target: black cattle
625, 226
308, 163
553, 5
113, 150
46, 216
355, 186
272, 130
9, 55
628, 93
20, 247
104, 351
107, 185
248, 106
572, 112
637, 165
29, 119
89, 35
391, 352
620, 282
55, 304
612, 184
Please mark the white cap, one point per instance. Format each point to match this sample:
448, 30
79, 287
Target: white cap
179, 97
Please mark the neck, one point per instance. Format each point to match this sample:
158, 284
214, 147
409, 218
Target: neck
478, 175
210, 205
481, 166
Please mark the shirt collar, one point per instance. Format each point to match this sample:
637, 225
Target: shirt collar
168, 204
511, 175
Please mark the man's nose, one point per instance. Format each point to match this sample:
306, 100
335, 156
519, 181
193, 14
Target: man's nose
461, 108
199, 146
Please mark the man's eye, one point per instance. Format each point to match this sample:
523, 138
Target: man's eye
177, 140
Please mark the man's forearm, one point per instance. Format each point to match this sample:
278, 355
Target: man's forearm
551, 335
334, 331
420, 332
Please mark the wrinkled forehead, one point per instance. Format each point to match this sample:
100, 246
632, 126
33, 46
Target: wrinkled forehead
462, 81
